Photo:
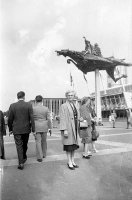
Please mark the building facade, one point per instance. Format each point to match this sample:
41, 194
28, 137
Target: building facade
117, 73
112, 98
53, 104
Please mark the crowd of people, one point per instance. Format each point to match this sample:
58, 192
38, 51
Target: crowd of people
23, 118
71, 116
76, 121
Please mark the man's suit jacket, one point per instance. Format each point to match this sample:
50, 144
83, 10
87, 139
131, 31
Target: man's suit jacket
42, 118
2, 125
20, 119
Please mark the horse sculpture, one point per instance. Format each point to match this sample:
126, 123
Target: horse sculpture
92, 59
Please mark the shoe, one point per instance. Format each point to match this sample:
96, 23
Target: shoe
72, 168
86, 157
39, 160
75, 166
21, 166
3, 158
94, 150
89, 153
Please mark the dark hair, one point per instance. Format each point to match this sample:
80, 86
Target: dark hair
20, 94
84, 100
38, 98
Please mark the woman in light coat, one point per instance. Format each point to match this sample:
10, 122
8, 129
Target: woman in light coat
69, 126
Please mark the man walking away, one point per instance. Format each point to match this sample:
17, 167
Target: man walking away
21, 123
42, 125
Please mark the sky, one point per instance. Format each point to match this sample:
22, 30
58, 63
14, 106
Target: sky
31, 31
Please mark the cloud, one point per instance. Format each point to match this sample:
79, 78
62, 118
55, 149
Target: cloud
23, 35
51, 41
61, 5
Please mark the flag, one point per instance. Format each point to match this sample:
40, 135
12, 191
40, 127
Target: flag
71, 79
85, 78
86, 83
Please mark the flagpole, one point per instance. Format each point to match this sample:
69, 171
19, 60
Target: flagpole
71, 81
86, 83
123, 87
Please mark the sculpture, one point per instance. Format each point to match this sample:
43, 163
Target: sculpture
92, 59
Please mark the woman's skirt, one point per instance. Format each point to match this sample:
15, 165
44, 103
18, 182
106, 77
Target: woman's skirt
85, 134
70, 148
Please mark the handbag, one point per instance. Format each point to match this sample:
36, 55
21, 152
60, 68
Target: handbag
83, 124
95, 134
110, 118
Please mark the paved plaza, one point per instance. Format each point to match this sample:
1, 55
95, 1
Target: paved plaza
106, 176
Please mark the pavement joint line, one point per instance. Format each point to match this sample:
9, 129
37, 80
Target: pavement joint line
59, 138
59, 157
55, 133
117, 144
115, 134
116, 128
33, 141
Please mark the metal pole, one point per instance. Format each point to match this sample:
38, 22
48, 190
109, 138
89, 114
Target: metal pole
97, 95
51, 105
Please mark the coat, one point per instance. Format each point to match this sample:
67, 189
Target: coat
67, 123
2, 125
2, 133
20, 119
42, 118
85, 113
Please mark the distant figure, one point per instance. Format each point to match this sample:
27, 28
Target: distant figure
2, 133
100, 122
97, 50
88, 46
6, 121
113, 118
21, 123
43, 122
129, 117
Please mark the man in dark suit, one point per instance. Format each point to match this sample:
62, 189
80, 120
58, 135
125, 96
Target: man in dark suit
21, 123
2, 133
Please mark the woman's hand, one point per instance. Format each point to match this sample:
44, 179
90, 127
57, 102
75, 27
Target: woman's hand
34, 134
81, 119
65, 133
93, 120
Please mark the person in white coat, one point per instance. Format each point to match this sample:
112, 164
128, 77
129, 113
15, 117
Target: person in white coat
69, 127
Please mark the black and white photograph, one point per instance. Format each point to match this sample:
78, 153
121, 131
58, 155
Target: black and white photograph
66, 100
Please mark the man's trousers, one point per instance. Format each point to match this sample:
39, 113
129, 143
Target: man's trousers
2, 151
41, 144
21, 141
